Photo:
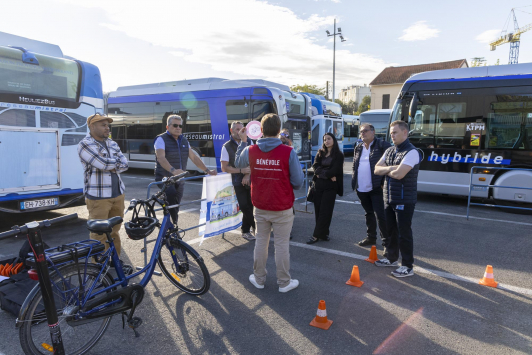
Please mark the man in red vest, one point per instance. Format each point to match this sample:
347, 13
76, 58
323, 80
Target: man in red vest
275, 173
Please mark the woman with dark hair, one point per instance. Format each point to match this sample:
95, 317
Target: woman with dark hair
328, 182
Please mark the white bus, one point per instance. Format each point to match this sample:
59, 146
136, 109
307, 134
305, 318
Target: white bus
208, 107
462, 118
45, 99
380, 119
351, 135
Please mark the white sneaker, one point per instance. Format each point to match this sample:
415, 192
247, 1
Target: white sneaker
293, 284
385, 262
248, 236
254, 282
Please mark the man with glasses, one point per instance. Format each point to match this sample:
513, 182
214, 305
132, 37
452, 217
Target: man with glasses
102, 163
172, 152
368, 185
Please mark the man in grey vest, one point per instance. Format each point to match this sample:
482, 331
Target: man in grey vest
172, 152
240, 179
399, 166
368, 185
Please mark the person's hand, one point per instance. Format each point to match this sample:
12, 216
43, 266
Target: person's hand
243, 134
246, 170
246, 181
213, 172
178, 171
333, 178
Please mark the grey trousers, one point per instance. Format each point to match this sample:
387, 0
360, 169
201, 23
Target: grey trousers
281, 221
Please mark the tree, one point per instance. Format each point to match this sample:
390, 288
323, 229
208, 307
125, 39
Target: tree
477, 61
364, 105
312, 89
349, 108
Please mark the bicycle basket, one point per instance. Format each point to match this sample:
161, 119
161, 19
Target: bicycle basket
141, 226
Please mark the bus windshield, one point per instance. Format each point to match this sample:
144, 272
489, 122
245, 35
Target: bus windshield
53, 77
294, 105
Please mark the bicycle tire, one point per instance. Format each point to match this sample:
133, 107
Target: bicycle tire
33, 339
191, 275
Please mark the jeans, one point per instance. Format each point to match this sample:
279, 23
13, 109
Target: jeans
243, 195
324, 200
399, 228
174, 194
373, 204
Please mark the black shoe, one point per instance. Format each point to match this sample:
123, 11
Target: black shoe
326, 238
312, 240
367, 242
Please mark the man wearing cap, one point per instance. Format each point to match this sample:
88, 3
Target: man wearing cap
103, 162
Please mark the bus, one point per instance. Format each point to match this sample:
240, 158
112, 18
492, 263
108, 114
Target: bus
469, 117
208, 106
379, 119
326, 118
351, 135
45, 99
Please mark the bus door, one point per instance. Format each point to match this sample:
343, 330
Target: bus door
299, 130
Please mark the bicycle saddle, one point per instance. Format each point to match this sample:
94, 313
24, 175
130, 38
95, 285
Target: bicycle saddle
103, 225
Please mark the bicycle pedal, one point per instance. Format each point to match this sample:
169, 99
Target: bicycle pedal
134, 323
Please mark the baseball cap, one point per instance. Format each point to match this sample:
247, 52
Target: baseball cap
98, 117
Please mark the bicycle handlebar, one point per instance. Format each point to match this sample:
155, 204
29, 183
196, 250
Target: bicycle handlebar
45, 223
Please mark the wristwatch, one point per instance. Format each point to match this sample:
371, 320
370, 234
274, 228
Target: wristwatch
172, 170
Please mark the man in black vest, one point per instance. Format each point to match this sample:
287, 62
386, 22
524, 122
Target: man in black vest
240, 178
400, 166
172, 152
368, 185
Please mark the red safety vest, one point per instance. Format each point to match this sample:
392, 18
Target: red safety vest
270, 178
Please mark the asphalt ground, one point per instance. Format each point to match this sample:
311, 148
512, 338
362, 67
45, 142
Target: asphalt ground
440, 310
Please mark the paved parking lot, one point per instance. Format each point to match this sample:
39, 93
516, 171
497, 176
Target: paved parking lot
441, 310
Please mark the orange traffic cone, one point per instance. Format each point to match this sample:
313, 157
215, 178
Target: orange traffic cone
488, 280
355, 278
373, 255
321, 320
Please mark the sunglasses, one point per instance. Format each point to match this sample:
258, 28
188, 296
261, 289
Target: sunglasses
285, 135
175, 125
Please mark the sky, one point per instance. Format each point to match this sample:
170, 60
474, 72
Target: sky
140, 42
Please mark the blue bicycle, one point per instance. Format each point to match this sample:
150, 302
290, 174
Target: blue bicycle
85, 293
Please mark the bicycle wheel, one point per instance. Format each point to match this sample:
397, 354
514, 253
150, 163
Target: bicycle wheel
77, 339
187, 272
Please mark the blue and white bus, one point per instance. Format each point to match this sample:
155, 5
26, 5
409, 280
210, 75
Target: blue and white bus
208, 107
45, 99
326, 118
462, 118
351, 135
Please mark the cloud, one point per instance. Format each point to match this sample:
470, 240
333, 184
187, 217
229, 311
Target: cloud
419, 31
488, 36
250, 38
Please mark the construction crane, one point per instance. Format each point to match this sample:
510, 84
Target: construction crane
513, 38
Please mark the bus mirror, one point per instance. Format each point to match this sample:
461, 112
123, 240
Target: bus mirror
413, 105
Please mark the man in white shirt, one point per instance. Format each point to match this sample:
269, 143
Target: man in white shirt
368, 185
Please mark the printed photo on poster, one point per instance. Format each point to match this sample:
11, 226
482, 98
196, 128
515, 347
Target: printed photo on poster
475, 140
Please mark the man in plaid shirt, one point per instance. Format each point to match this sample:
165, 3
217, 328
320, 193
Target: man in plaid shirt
103, 162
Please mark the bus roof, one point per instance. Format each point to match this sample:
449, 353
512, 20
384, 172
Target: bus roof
376, 112
193, 85
30, 45
476, 72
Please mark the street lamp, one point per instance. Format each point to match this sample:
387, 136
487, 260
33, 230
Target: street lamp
339, 33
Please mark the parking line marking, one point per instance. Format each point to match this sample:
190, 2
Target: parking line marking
421, 270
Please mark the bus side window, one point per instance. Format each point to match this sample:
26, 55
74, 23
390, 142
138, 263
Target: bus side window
237, 110
315, 137
260, 109
451, 125
21, 118
422, 126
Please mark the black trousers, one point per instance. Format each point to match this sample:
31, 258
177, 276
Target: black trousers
399, 228
174, 194
373, 204
243, 195
324, 200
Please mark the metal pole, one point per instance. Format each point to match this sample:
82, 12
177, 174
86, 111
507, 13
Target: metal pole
334, 60
35, 240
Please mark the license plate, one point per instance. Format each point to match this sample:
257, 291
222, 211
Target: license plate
28, 205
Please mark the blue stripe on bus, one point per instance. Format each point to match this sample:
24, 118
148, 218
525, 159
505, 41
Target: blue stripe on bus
184, 96
14, 197
504, 77
471, 160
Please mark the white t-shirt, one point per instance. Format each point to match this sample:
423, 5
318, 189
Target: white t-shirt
364, 170
225, 154
411, 158
159, 144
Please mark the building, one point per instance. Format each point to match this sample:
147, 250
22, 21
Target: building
354, 93
386, 86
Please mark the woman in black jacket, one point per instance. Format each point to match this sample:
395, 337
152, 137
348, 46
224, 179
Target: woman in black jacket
328, 182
